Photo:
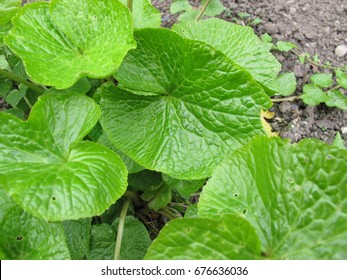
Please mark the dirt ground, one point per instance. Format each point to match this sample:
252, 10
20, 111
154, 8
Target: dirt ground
317, 27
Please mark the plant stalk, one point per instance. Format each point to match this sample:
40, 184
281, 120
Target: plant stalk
130, 5
120, 229
19, 79
202, 11
291, 98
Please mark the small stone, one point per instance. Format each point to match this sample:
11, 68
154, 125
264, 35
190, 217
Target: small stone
271, 28
292, 10
341, 50
344, 130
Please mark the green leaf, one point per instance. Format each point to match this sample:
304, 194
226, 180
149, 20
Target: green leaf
64, 40
239, 43
8, 9
4, 29
157, 196
243, 15
285, 46
4, 64
184, 187
15, 112
47, 168
188, 15
341, 78
6, 86
214, 7
144, 180
192, 105
266, 38
180, 6
338, 142
204, 239
323, 80
6, 203
286, 83
336, 99
135, 241
295, 196
313, 95
192, 211
77, 234
16, 95
102, 243
82, 86
144, 14
24, 237
131, 165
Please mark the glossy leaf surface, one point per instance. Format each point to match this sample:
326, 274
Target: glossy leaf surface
204, 239
64, 40
239, 43
47, 168
191, 105
295, 196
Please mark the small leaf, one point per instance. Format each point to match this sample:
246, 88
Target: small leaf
313, 95
286, 83
285, 46
102, 242
243, 15
157, 196
4, 64
15, 112
295, 196
302, 58
188, 108
204, 239
144, 14
144, 179
77, 233
82, 86
336, 99
24, 237
135, 241
338, 142
64, 40
266, 38
184, 187
341, 78
188, 15
180, 6
47, 168
15, 95
192, 211
322, 80
214, 8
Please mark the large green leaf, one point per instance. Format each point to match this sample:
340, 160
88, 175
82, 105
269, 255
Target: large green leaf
46, 167
204, 239
295, 196
8, 9
238, 43
192, 105
135, 241
144, 14
63, 40
26, 237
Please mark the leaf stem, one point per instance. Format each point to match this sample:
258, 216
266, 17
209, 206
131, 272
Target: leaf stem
170, 213
202, 11
130, 5
120, 229
28, 101
19, 79
291, 98
134, 197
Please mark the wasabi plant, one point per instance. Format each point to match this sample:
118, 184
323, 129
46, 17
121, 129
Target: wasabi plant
118, 126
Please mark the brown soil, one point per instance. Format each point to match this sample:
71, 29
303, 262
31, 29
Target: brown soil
317, 27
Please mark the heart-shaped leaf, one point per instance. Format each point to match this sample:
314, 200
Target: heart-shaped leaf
24, 237
295, 196
205, 239
144, 14
63, 40
47, 168
192, 105
238, 43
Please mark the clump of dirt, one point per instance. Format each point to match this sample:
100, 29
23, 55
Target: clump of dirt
317, 27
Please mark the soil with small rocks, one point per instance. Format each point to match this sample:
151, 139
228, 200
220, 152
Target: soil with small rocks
316, 27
